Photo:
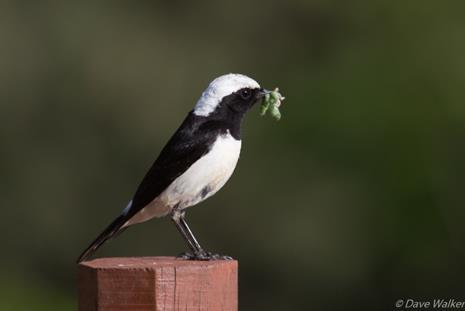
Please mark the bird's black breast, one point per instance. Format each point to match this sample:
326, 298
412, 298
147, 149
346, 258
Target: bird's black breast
192, 140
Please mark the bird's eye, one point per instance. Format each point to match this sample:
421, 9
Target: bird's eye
245, 94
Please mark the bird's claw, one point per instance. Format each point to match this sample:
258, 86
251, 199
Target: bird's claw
205, 256
219, 257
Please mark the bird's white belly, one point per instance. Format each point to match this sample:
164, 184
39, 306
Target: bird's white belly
203, 179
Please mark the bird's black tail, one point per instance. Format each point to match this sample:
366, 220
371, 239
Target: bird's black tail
114, 228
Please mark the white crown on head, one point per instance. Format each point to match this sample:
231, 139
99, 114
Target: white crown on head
220, 87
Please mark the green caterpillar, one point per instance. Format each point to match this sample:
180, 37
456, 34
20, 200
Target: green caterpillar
271, 103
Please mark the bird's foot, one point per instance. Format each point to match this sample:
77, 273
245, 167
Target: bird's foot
205, 256
213, 256
186, 256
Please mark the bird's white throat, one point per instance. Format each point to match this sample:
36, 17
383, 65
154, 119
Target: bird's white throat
219, 88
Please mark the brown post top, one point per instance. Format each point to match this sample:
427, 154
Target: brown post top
157, 283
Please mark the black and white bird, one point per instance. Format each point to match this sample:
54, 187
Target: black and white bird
195, 163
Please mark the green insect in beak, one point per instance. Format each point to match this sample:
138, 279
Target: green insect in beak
271, 102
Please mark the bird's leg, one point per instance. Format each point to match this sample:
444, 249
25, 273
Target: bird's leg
198, 253
179, 220
191, 237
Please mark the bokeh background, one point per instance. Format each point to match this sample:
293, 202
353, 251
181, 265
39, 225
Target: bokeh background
353, 200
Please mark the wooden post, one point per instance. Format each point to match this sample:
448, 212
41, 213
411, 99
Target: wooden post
157, 283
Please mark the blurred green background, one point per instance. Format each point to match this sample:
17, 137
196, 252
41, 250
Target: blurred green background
353, 200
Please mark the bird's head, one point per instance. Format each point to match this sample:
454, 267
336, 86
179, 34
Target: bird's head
230, 94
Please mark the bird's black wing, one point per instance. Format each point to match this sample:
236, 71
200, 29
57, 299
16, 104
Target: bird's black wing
191, 141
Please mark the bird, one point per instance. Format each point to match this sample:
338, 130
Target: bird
196, 162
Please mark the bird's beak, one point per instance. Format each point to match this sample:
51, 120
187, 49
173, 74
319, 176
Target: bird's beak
262, 92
